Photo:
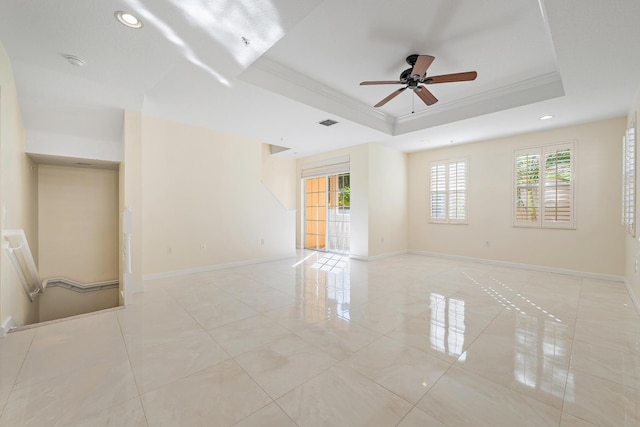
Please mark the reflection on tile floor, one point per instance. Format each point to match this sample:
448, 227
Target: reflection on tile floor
321, 340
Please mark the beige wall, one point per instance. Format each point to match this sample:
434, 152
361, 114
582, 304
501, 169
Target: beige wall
18, 197
282, 185
388, 202
58, 302
78, 223
597, 243
632, 244
204, 203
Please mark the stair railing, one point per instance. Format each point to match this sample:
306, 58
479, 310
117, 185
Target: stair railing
19, 252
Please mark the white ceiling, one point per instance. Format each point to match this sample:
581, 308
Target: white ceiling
575, 59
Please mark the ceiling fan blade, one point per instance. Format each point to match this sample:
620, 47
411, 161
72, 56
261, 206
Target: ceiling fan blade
422, 63
448, 78
425, 95
382, 82
390, 97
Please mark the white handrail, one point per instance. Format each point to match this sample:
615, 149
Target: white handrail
17, 242
71, 284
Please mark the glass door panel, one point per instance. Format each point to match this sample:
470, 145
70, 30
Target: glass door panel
338, 221
327, 213
315, 213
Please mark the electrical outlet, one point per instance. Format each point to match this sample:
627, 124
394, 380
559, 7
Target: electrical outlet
203, 247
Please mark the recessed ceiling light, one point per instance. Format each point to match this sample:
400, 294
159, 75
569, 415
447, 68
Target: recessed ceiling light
128, 19
74, 60
547, 117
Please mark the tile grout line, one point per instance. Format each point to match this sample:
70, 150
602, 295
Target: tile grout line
564, 396
135, 380
233, 358
15, 380
457, 359
185, 376
258, 384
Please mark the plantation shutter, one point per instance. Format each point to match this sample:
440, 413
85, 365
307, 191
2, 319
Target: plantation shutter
629, 181
438, 191
527, 198
457, 191
448, 191
558, 186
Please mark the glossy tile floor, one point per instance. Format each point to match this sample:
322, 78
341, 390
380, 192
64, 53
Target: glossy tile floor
324, 341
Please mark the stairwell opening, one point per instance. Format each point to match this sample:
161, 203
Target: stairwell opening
77, 239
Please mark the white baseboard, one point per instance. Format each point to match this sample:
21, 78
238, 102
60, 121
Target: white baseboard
377, 257
7, 325
174, 273
135, 289
131, 291
585, 274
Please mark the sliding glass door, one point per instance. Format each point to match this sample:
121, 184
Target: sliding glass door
315, 213
327, 205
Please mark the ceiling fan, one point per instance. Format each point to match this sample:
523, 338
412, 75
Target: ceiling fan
416, 77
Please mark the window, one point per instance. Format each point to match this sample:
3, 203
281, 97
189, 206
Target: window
448, 191
544, 186
629, 181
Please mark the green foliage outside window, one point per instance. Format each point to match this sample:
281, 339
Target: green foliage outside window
344, 191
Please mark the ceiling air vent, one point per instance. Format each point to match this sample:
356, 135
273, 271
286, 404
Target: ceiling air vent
328, 122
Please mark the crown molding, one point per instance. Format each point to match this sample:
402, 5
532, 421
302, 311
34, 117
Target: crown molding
529, 91
275, 77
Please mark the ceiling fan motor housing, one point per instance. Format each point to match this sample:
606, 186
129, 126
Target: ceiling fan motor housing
411, 59
405, 76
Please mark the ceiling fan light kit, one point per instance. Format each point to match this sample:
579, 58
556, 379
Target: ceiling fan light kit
416, 76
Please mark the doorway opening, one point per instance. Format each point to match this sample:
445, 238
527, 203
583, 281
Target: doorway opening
327, 209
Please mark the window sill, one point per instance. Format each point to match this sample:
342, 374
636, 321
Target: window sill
448, 223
